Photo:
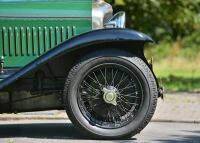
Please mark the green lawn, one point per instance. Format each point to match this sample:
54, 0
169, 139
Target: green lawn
178, 77
178, 80
176, 65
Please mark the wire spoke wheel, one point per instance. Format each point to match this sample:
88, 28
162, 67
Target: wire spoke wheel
110, 95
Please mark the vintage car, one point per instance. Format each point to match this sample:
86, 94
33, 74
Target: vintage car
79, 57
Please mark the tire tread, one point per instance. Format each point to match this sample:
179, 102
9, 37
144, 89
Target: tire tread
152, 84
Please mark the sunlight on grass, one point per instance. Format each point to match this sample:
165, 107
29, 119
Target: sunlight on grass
177, 67
120, 2
176, 74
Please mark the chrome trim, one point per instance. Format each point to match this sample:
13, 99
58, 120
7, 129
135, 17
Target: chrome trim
117, 21
101, 13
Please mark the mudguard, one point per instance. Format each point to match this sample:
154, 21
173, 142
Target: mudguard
81, 41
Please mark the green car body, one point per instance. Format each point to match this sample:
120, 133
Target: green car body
75, 55
31, 28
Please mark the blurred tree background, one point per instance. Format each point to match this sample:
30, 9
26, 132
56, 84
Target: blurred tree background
175, 26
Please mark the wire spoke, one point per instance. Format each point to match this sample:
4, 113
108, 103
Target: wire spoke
113, 79
106, 77
103, 77
121, 104
90, 97
93, 80
117, 112
95, 88
100, 85
108, 115
130, 95
121, 81
92, 88
125, 110
121, 90
127, 102
130, 83
111, 76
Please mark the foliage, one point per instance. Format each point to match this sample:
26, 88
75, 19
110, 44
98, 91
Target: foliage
181, 84
186, 48
176, 25
177, 69
162, 19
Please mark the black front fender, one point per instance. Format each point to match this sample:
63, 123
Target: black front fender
78, 42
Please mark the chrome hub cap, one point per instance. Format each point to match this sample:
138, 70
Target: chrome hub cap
110, 95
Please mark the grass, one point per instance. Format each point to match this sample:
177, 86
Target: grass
174, 79
175, 68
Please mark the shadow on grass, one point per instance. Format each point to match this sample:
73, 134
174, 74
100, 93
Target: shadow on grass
173, 83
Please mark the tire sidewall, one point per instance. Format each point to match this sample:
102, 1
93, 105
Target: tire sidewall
141, 116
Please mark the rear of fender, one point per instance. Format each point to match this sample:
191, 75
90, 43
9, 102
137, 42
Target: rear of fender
77, 43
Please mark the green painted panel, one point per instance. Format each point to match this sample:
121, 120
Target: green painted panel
35, 41
17, 41
58, 35
29, 41
5, 41
69, 33
47, 38
41, 49
23, 39
52, 39
11, 41
64, 35
44, 8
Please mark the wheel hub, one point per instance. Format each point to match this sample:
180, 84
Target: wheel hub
107, 95
110, 95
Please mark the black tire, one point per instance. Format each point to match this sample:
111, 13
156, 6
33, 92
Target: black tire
92, 128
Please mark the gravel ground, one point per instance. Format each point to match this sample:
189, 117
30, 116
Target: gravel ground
179, 107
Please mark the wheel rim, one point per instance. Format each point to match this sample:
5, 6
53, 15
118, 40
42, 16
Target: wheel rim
110, 95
